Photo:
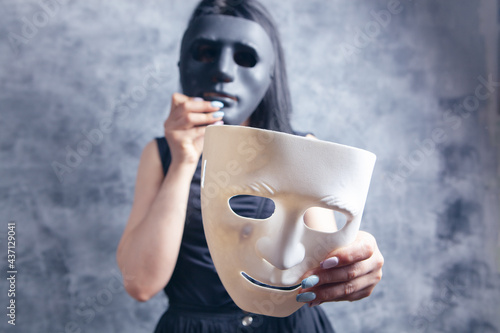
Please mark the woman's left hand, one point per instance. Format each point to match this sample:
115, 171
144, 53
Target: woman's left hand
349, 273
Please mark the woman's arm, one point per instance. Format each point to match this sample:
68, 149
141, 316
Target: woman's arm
148, 250
150, 244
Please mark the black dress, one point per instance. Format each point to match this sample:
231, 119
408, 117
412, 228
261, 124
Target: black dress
198, 301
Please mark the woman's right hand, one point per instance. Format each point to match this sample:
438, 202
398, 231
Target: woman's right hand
186, 124
150, 244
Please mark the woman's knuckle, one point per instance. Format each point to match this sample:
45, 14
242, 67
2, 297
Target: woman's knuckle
352, 272
380, 262
369, 249
365, 293
331, 293
349, 288
186, 117
176, 100
378, 276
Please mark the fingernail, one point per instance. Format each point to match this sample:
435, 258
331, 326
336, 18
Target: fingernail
310, 281
218, 114
329, 263
198, 99
218, 123
217, 104
313, 304
306, 297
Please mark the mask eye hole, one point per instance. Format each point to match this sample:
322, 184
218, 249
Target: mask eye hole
322, 219
245, 58
244, 206
205, 52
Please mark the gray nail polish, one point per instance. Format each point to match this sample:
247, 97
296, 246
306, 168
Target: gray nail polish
306, 297
310, 281
218, 114
217, 104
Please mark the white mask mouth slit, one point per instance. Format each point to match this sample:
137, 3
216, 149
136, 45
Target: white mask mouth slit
262, 284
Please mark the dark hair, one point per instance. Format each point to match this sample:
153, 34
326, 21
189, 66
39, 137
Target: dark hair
274, 110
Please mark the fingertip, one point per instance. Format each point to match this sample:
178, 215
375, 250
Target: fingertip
218, 114
217, 104
329, 263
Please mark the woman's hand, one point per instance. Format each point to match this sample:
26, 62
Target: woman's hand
348, 274
186, 124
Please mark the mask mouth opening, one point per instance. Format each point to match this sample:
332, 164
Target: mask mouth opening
264, 285
227, 99
219, 94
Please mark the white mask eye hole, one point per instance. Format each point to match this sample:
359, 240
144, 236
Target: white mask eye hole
244, 206
340, 219
323, 219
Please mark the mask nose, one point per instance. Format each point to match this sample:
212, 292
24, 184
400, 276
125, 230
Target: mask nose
225, 66
282, 246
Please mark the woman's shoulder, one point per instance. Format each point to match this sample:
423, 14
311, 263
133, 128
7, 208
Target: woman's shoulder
150, 168
150, 154
162, 151
161, 144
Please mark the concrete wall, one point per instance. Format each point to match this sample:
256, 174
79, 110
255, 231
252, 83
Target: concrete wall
85, 85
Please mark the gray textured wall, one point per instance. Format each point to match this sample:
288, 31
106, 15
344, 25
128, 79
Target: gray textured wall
84, 85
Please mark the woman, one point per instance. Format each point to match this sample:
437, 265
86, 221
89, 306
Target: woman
232, 72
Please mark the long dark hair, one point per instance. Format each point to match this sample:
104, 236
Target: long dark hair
274, 110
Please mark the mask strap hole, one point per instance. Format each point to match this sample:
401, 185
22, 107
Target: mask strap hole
244, 206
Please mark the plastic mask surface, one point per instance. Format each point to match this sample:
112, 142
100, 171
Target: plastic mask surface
228, 59
261, 261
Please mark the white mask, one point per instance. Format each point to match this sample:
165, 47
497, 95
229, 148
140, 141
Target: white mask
261, 262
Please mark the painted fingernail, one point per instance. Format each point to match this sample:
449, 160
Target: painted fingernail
329, 263
310, 281
217, 104
218, 114
306, 297
218, 123
198, 99
313, 304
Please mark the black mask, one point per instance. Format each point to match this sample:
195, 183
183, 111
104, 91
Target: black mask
228, 59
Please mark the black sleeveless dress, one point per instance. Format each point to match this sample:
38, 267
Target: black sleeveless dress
198, 301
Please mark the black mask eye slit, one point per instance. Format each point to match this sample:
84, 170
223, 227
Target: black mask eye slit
244, 206
245, 58
205, 52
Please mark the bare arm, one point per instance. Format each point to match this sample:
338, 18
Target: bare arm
150, 244
148, 250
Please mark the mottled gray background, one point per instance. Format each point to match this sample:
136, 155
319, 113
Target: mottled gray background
407, 88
